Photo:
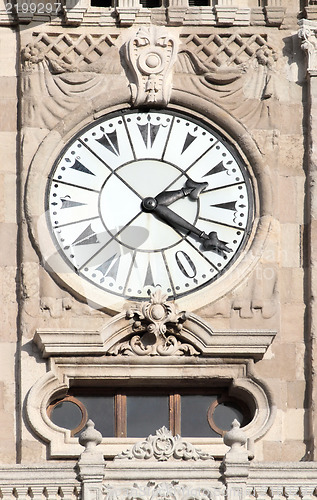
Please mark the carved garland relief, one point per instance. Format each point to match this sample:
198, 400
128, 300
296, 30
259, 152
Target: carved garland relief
72, 67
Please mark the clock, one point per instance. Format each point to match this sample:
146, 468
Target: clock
141, 200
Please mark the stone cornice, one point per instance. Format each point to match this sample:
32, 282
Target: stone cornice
249, 343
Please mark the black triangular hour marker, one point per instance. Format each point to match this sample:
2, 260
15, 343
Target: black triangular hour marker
106, 268
149, 133
149, 277
110, 142
230, 205
215, 170
189, 139
66, 203
87, 237
144, 132
153, 132
81, 168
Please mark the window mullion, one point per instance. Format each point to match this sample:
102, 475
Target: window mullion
175, 413
120, 415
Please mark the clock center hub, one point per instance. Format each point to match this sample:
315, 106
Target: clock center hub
127, 205
149, 204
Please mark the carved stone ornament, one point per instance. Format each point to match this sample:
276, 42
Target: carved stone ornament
159, 323
162, 447
308, 34
164, 491
151, 54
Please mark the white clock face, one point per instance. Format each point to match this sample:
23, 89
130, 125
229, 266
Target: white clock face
141, 200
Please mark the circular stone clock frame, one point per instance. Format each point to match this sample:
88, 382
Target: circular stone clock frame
178, 157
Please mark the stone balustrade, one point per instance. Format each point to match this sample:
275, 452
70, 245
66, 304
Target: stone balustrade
161, 466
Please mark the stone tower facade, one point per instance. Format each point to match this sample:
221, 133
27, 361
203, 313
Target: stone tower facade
158, 249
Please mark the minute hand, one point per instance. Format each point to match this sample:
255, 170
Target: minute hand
210, 241
174, 219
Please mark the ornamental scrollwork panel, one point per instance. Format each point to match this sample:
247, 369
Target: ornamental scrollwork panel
156, 325
162, 447
154, 490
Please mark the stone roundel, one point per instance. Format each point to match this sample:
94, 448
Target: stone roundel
151, 61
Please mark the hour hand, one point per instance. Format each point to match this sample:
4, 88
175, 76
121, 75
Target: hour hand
192, 189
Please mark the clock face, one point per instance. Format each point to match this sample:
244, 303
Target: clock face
141, 200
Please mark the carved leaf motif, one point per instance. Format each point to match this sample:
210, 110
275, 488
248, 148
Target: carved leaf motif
154, 319
162, 447
168, 347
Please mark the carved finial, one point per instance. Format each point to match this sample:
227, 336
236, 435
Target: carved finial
236, 439
90, 437
91, 462
151, 53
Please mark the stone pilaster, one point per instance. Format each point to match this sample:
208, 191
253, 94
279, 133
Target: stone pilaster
308, 35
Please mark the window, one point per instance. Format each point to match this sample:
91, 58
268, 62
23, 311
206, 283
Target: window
198, 3
101, 3
150, 4
139, 412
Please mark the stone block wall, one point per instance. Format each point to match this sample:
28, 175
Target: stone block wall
270, 105
9, 254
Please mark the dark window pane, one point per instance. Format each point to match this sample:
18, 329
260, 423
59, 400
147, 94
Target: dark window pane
194, 416
224, 415
150, 4
101, 3
67, 415
198, 3
101, 412
146, 414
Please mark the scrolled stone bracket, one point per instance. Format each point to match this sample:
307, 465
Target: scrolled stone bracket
150, 55
308, 36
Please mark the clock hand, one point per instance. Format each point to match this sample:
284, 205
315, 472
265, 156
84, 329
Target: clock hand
174, 219
192, 189
210, 241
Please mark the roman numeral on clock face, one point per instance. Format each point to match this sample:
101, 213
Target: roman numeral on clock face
110, 141
148, 273
148, 133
